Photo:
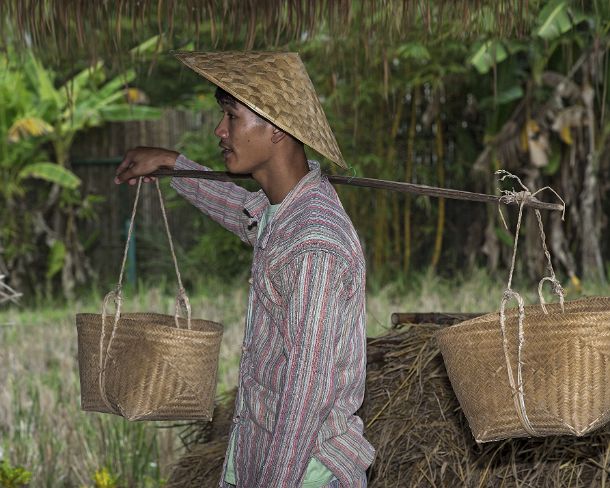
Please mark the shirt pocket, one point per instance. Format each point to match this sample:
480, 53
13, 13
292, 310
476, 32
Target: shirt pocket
265, 293
261, 404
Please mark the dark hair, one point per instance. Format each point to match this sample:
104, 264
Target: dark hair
222, 97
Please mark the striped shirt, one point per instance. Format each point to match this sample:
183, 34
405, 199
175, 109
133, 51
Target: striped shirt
303, 365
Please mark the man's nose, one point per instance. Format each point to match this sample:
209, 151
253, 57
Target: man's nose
221, 129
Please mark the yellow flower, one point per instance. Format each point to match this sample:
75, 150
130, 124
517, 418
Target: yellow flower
103, 479
28, 126
135, 95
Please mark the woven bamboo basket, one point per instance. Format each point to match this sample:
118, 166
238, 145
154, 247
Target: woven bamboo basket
565, 370
536, 370
148, 366
154, 371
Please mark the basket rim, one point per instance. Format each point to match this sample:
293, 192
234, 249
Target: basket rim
219, 328
532, 310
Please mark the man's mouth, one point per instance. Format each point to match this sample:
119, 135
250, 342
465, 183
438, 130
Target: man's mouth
225, 150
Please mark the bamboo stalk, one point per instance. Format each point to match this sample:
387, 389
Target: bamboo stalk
395, 212
440, 174
379, 215
400, 186
410, 156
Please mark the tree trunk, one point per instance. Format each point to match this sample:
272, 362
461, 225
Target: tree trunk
406, 262
395, 237
440, 175
491, 247
592, 263
76, 267
531, 245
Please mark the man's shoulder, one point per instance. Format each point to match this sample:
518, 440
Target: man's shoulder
317, 221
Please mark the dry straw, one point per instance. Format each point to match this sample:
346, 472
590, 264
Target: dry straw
422, 438
532, 371
148, 366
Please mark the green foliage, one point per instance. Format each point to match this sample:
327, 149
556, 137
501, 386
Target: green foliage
463, 87
504, 236
40, 114
13, 476
554, 20
57, 255
87, 99
487, 55
219, 254
52, 173
414, 50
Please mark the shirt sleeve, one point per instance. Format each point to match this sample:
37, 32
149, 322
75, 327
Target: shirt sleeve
313, 300
220, 200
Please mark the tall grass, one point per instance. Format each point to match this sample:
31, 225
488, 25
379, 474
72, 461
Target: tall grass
43, 429
41, 425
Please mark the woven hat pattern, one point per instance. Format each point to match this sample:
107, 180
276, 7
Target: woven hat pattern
276, 86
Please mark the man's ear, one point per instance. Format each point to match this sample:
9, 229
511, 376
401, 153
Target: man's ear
278, 135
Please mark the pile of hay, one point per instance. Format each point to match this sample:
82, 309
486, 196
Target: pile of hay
422, 439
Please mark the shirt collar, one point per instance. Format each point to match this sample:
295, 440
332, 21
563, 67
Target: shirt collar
257, 202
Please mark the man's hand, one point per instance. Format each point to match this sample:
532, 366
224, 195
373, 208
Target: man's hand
142, 161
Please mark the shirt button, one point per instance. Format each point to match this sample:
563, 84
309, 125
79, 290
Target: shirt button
236, 419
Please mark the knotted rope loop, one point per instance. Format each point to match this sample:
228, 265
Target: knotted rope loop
117, 297
557, 290
518, 197
521, 198
183, 300
516, 386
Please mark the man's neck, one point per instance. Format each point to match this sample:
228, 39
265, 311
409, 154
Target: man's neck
281, 176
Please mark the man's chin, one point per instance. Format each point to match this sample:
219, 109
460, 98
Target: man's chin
235, 169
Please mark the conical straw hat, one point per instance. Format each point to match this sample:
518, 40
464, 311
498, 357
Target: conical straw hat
276, 86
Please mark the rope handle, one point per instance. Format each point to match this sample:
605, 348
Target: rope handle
516, 387
182, 299
522, 198
117, 296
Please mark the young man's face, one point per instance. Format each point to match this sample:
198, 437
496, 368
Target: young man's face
245, 138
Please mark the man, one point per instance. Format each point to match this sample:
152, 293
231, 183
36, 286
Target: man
303, 364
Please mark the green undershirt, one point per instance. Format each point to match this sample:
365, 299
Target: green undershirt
317, 474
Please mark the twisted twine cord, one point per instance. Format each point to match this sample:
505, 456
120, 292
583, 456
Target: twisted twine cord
117, 296
181, 297
522, 197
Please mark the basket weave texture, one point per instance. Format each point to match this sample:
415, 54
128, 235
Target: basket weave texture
154, 370
536, 370
565, 368
148, 366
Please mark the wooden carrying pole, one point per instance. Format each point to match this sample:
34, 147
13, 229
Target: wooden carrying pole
374, 183
438, 318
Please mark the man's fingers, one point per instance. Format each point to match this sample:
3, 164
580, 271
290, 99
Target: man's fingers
126, 163
142, 161
125, 175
